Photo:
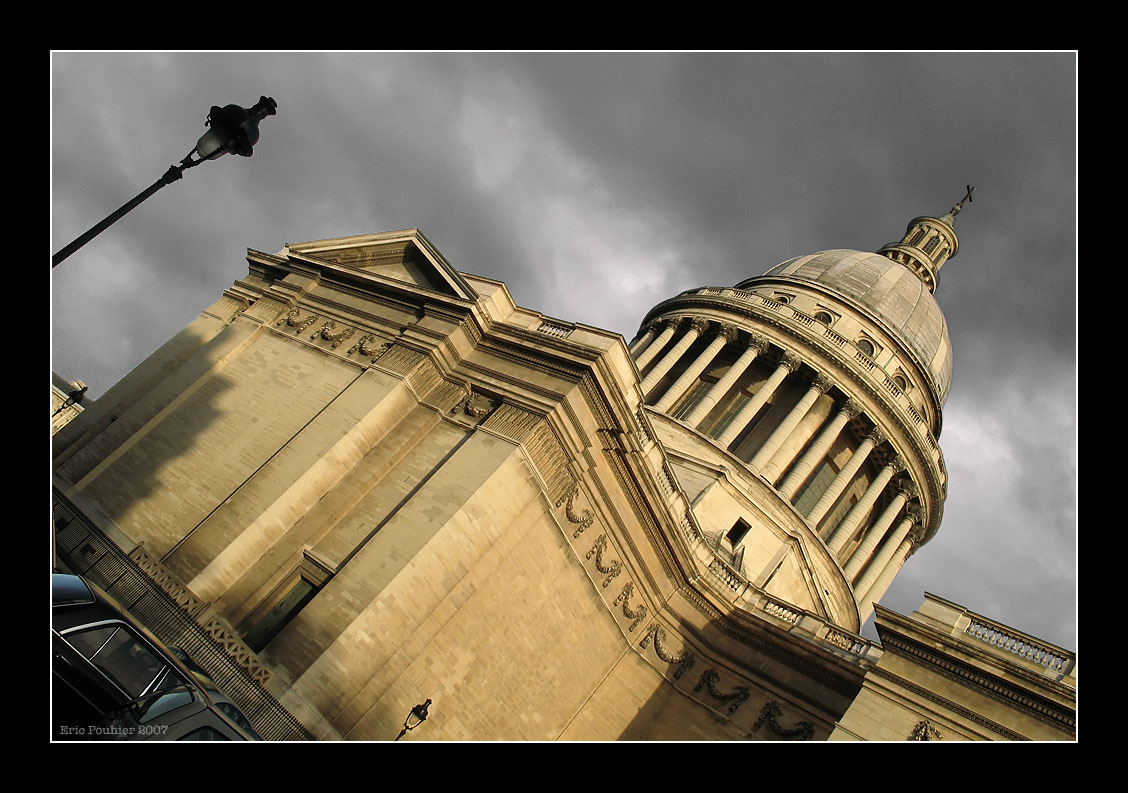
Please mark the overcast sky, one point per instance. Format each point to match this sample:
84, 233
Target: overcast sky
596, 185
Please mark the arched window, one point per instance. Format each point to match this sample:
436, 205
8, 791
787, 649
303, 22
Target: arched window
823, 317
866, 346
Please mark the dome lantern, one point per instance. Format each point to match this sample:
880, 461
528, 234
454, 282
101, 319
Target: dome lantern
927, 244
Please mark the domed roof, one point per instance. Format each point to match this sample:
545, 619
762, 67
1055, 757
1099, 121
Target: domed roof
896, 296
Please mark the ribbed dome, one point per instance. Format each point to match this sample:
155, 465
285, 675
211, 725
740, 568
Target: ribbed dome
887, 289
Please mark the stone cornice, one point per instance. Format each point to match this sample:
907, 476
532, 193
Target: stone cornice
947, 704
988, 685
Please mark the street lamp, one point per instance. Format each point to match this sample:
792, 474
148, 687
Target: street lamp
234, 130
417, 716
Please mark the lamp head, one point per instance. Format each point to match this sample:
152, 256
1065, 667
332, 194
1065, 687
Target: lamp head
234, 129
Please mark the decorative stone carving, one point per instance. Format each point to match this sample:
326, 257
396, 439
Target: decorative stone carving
684, 662
729, 332
924, 731
916, 537
757, 343
624, 598
907, 488
475, 405
326, 332
804, 730
597, 550
292, 320
738, 696
234, 647
791, 361
367, 348
821, 382
852, 408
584, 519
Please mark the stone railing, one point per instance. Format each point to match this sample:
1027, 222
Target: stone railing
555, 328
1018, 644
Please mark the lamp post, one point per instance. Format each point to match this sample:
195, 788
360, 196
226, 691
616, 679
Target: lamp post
234, 130
417, 716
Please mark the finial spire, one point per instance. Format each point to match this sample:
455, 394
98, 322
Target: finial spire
967, 197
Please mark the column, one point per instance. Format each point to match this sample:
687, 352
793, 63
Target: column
756, 346
645, 338
656, 347
696, 328
845, 476
897, 558
726, 334
788, 365
845, 530
904, 491
816, 451
889, 550
818, 387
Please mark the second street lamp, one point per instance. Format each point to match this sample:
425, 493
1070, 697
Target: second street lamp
233, 130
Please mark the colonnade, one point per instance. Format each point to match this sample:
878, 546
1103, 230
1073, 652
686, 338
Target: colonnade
871, 544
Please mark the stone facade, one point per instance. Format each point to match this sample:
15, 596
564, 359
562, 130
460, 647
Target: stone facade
394, 484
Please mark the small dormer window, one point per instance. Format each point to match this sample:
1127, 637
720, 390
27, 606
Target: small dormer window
866, 346
782, 297
901, 382
823, 317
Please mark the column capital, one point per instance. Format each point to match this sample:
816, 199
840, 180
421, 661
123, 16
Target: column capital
852, 408
729, 332
757, 342
907, 488
896, 462
915, 513
916, 537
821, 382
877, 437
699, 324
791, 361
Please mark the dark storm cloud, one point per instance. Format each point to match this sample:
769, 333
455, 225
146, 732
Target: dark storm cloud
596, 185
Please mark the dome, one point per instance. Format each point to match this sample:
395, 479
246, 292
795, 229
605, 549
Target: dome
888, 291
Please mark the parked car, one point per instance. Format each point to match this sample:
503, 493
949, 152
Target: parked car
114, 680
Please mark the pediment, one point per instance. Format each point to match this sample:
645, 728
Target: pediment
403, 256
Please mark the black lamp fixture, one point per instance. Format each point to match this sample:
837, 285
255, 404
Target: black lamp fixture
417, 716
233, 130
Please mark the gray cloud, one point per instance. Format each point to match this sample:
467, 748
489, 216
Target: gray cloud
598, 184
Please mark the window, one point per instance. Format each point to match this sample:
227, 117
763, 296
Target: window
278, 617
737, 532
691, 400
823, 317
738, 402
866, 346
120, 655
204, 734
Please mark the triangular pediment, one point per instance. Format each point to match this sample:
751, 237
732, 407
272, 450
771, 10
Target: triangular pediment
404, 256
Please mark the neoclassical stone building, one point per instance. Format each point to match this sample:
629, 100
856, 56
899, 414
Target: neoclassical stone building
384, 481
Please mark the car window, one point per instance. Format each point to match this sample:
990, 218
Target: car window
163, 703
121, 655
204, 734
236, 715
